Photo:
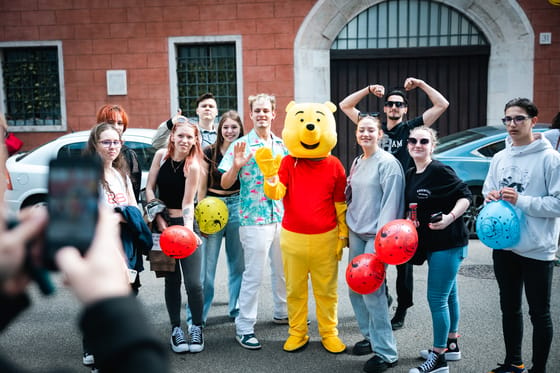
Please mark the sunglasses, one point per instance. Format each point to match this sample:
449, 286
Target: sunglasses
398, 104
414, 141
518, 119
363, 115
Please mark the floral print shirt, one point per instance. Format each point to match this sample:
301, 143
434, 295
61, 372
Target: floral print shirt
255, 207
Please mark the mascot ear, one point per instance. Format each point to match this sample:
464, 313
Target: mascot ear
331, 106
292, 103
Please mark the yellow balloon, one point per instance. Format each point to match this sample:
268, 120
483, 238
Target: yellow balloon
211, 214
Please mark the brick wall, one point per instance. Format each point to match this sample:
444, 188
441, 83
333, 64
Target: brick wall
545, 17
101, 35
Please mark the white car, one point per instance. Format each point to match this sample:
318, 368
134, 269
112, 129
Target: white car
26, 173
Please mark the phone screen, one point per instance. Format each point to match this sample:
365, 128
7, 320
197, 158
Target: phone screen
72, 205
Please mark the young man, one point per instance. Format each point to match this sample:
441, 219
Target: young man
260, 219
396, 131
206, 110
527, 175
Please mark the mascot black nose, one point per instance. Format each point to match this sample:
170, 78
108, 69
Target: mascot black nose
310, 127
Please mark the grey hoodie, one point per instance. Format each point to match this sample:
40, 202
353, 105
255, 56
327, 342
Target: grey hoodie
534, 171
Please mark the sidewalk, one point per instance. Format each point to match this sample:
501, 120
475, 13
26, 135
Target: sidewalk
46, 336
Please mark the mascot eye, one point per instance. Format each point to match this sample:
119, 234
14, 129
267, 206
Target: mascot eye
302, 120
318, 119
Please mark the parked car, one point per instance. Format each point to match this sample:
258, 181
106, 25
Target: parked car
26, 173
469, 153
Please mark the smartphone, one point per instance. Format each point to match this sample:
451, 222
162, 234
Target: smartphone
434, 218
72, 205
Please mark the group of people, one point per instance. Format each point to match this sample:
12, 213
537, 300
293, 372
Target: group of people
395, 177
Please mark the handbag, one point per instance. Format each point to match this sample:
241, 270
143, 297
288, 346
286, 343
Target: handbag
13, 144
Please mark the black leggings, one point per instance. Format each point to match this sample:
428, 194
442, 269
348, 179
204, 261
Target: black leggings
190, 268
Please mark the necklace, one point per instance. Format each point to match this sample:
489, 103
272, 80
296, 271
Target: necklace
175, 168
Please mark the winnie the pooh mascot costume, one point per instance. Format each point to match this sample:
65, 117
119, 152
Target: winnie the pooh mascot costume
311, 182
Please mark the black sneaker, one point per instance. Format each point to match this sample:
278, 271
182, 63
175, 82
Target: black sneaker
377, 365
178, 342
435, 363
362, 348
452, 354
196, 340
509, 368
397, 322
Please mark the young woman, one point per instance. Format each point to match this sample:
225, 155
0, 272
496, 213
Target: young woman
175, 173
106, 141
116, 189
116, 115
230, 129
374, 196
436, 189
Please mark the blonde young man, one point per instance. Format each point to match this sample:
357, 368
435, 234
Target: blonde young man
260, 219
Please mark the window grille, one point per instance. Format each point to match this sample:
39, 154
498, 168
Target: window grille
31, 86
408, 24
207, 68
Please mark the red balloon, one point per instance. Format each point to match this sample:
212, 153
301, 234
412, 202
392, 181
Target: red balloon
178, 241
396, 242
365, 273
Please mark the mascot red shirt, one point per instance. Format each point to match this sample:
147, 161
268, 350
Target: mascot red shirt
311, 183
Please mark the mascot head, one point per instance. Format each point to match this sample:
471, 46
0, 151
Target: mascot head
309, 129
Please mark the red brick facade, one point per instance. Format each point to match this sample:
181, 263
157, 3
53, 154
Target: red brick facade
101, 35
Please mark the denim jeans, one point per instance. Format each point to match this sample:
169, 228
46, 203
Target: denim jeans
260, 242
235, 260
513, 272
371, 310
443, 297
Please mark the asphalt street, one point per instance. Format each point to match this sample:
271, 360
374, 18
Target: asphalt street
46, 336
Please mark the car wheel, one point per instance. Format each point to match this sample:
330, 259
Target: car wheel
35, 201
472, 212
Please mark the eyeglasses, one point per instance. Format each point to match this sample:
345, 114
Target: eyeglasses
363, 115
518, 119
108, 143
414, 141
398, 104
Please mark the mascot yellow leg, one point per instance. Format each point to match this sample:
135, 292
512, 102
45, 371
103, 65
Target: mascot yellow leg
311, 255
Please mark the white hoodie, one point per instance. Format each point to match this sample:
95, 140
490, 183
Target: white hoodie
534, 171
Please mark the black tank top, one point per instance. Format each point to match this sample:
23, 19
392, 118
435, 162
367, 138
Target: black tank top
171, 183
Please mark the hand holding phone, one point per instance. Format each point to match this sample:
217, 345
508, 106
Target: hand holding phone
434, 218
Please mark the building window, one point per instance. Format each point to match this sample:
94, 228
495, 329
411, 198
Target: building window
409, 24
32, 88
210, 64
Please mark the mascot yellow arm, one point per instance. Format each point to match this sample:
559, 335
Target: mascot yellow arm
342, 228
269, 167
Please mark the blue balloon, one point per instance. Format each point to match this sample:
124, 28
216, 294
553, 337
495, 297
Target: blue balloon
497, 225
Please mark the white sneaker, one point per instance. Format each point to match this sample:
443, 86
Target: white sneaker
196, 339
178, 342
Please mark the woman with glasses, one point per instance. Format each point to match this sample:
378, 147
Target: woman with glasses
442, 198
106, 142
374, 197
116, 115
175, 174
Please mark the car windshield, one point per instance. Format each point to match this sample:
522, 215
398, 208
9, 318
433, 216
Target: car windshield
457, 139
